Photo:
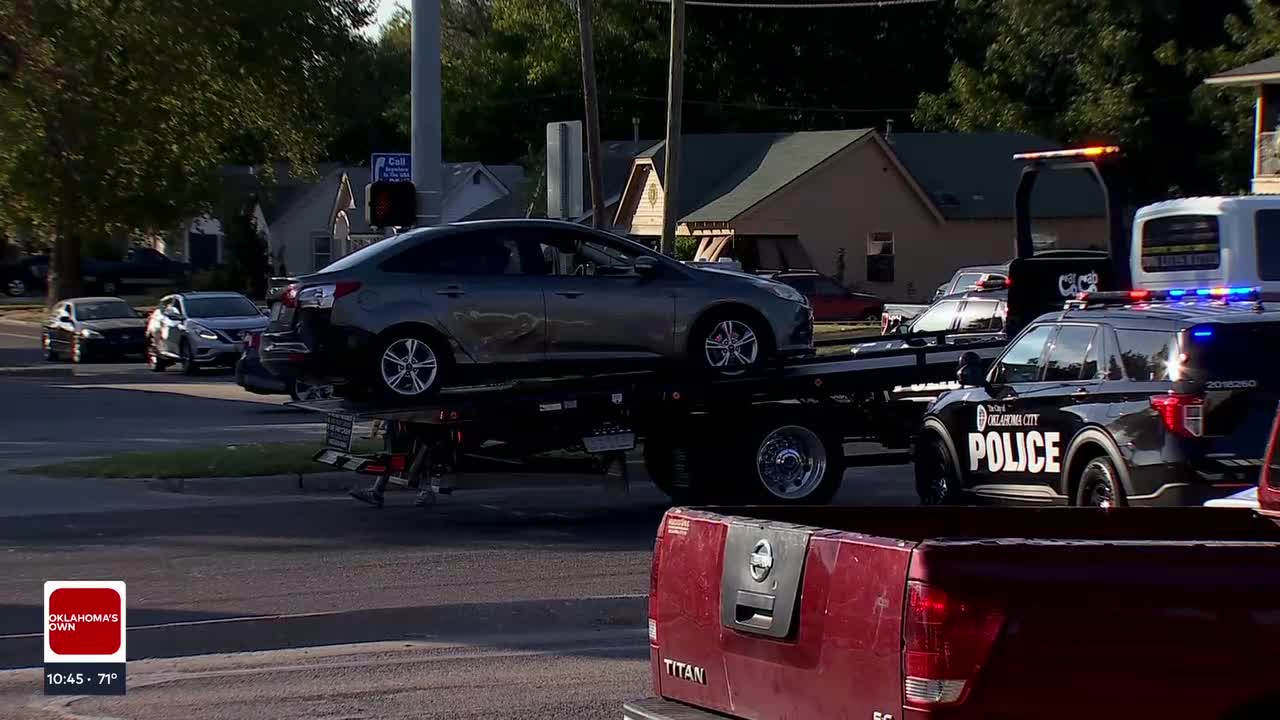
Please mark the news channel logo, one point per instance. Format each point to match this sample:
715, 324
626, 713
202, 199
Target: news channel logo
84, 637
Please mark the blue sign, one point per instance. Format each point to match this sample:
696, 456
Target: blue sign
391, 167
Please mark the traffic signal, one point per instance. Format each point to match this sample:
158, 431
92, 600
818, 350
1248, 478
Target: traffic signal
391, 204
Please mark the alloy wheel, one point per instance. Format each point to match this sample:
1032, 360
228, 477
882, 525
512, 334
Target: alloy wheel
409, 367
791, 462
731, 346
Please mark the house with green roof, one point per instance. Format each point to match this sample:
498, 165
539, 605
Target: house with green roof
898, 213
1263, 78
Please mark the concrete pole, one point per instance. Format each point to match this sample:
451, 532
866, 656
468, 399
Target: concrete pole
675, 99
428, 175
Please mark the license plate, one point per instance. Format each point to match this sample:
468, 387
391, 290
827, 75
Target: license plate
613, 442
337, 432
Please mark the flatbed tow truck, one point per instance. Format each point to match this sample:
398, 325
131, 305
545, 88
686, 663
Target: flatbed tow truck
777, 436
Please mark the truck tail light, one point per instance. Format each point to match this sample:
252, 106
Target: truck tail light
289, 298
947, 639
1183, 414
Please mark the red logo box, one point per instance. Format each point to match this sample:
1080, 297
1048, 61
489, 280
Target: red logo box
84, 621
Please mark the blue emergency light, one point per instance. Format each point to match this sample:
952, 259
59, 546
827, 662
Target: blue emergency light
1179, 295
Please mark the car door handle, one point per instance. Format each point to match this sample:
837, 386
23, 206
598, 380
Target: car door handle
452, 291
569, 293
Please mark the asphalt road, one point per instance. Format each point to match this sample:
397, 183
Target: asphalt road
492, 604
19, 343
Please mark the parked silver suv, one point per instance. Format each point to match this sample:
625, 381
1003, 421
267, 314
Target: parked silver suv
198, 329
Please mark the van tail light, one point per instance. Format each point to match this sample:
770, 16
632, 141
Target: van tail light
947, 639
289, 298
1183, 414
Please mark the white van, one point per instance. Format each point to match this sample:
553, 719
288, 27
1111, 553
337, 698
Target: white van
1206, 242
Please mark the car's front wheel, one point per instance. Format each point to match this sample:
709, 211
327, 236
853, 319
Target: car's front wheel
46, 344
15, 287
188, 359
301, 391
408, 367
729, 344
154, 359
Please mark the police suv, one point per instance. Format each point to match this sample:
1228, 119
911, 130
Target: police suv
1144, 397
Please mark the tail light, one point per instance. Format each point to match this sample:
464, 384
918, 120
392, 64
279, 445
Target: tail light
1183, 414
289, 298
322, 296
947, 640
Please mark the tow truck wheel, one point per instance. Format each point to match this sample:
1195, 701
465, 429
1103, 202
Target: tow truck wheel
1099, 485
937, 473
668, 469
409, 366
794, 464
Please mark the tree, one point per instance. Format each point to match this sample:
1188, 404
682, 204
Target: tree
121, 110
249, 261
1079, 71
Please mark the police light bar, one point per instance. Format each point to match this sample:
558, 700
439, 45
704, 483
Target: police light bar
1220, 294
1095, 151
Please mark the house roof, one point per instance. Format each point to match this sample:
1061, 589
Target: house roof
973, 176
725, 174
1262, 71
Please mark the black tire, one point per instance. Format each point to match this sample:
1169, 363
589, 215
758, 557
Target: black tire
155, 361
15, 287
188, 362
413, 384
300, 391
937, 471
726, 326
668, 466
1099, 485
46, 346
788, 461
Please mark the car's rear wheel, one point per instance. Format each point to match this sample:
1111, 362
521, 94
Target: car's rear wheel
302, 391
730, 344
1099, 485
936, 470
188, 359
408, 366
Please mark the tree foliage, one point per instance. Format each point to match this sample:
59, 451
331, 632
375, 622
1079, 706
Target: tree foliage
122, 110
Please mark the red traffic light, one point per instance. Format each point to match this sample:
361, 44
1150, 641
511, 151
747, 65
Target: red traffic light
392, 204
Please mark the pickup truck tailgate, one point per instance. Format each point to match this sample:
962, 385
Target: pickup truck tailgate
1073, 614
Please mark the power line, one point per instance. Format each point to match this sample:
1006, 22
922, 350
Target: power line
801, 5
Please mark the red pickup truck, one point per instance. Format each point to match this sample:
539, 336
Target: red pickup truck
825, 613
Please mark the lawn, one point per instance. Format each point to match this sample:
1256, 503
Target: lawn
222, 461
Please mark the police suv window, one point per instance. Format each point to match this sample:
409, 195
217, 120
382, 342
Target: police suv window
1021, 362
1071, 357
1266, 233
1180, 242
1145, 354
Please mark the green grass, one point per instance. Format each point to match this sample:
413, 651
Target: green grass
854, 328
224, 461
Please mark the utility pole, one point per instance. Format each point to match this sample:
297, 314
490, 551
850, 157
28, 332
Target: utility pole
424, 121
592, 101
675, 99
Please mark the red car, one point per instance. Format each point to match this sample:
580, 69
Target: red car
963, 612
829, 299
1269, 480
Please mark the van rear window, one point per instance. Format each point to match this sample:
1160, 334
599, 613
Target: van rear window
1181, 242
1146, 354
1266, 233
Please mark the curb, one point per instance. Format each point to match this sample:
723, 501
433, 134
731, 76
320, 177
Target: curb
257, 485
36, 371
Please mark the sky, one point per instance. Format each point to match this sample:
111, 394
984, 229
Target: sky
386, 8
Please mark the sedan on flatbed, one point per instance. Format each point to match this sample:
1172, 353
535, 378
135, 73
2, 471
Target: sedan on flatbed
406, 315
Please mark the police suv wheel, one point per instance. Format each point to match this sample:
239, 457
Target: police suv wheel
937, 473
1100, 485
793, 464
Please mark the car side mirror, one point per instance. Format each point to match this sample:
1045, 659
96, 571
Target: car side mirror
970, 373
645, 266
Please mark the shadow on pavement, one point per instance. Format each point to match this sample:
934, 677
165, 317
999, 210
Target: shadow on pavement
509, 625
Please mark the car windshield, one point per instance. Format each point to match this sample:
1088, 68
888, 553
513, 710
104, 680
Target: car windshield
216, 307
104, 311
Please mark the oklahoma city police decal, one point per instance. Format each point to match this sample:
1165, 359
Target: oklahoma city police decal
1016, 447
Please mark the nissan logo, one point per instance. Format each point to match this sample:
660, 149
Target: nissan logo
761, 561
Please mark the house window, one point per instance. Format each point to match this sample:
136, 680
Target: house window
321, 251
880, 257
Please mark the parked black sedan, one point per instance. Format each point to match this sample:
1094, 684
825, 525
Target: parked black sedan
93, 328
